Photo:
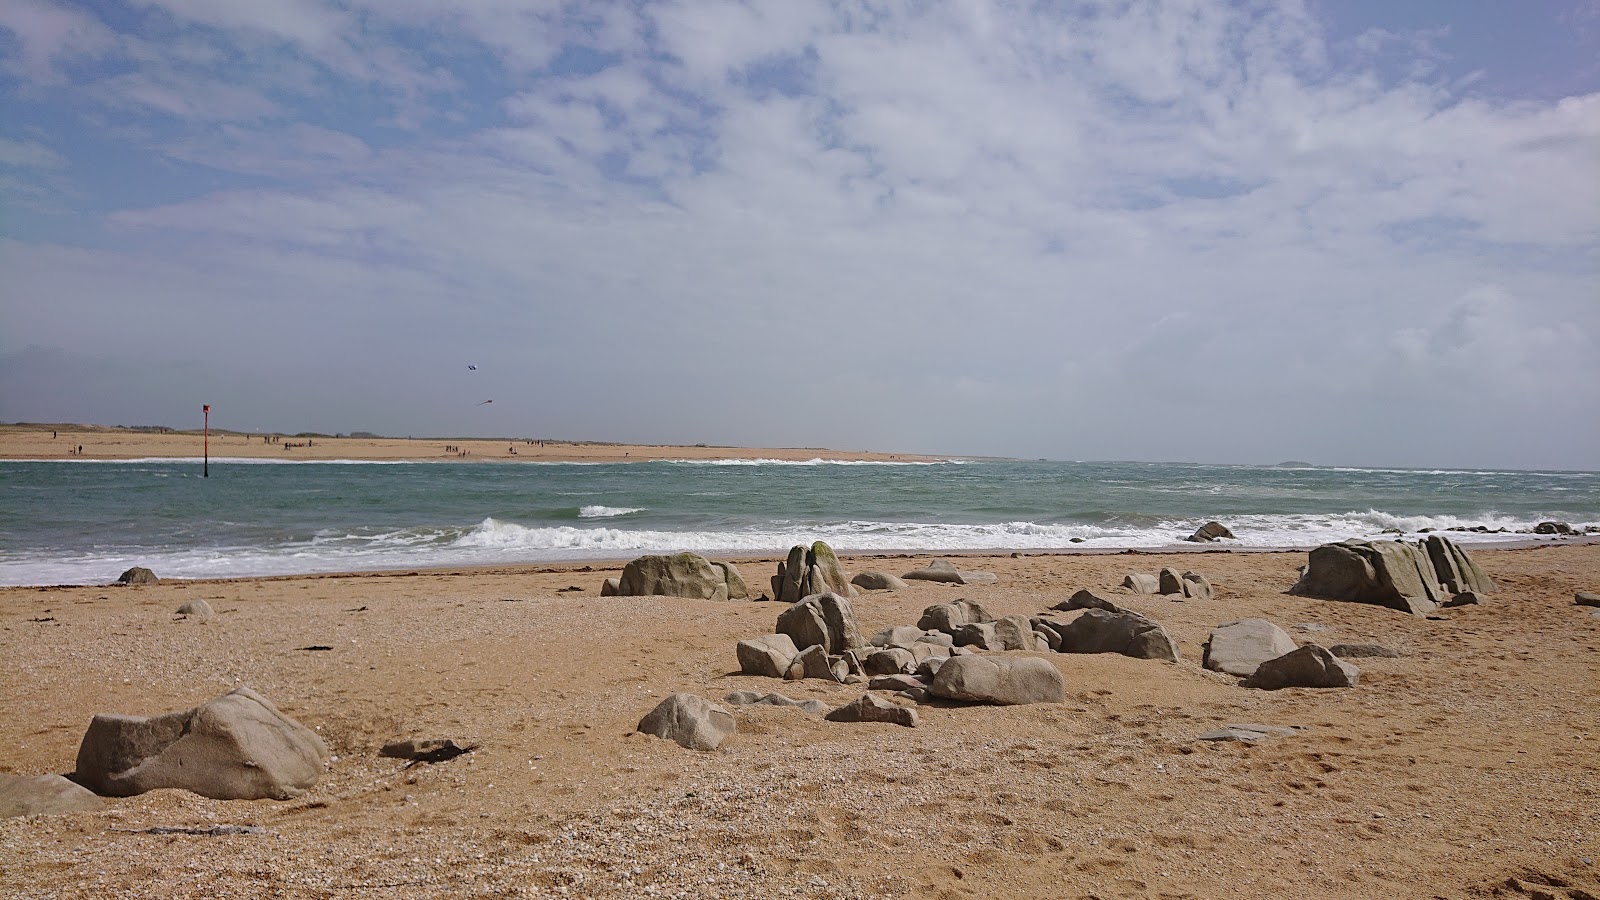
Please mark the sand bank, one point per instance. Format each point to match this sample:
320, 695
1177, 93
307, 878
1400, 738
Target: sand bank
1467, 767
101, 442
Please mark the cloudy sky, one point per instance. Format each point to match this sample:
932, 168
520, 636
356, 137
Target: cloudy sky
1344, 232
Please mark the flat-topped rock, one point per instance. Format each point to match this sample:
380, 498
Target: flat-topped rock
999, 680
1237, 648
1358, 651
752, 698
769, 655
872, 708
945, 572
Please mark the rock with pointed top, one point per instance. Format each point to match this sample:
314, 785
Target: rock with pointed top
138, 575
692, 722
1310, 666
1086, 599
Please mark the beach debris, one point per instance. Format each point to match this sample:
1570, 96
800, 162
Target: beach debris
999, 680
1413, 578
872, 708
315, 647
1127, 633
425, 750
690, 721
752, 698
1359, 651
236, 747
1238, 648
1310, 666
878, 581
138, 575
1086, 599
945, 572
810, 570
1249, 733
680, 575
1586, 598
569, 589
1141, 583
824, 619
44, 795
212, 831
1208, 532
769, 655
195, 608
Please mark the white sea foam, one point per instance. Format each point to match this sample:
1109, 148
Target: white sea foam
496, 542
607, 512
811, 462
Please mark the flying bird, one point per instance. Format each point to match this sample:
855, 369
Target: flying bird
486, 401
472, 368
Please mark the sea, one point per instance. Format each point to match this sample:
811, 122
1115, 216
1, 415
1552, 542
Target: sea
86, 521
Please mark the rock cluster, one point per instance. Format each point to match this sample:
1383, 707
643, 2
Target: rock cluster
1169, 582
678, 575
236, 747
1414, 578
810, 570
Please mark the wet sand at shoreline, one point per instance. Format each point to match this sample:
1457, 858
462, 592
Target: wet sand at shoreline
1466, 767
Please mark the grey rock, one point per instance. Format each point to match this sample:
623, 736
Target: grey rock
678, 575
930, 666
198, 608
138, 575
1465, 598
1238, 648
1013, 633
751, 698
1310, 666
770, 655
1552, 528
939, 570
878, 581
1454, 569
44, 795
900, 682
936, 638
1048, 634
922, 650
825, 619
1170, 582
692, 722
737, 589
814, 662
1359, 651
947, 617
916, 694
1142, 583
872, 708
1386, 573
1127, 633
1088, 600
611, 587
1586, 598
897, 636
1006, 681
976, 634
1210, 531
890, 661
1195, 585
236, 747
1249, 733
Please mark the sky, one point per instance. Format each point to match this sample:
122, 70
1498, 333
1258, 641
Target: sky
1342, 232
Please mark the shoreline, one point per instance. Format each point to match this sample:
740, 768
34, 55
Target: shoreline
36, 443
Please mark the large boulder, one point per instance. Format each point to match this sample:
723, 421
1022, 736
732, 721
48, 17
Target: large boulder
1455, 570
769, 655
1237, 648
1007, 681
1013, 633
1310, 666
138, 575
44, 795
948, 617
1386, 573
1210, 531
681, 575
1142, 583
1127, 633
810, 570
825, 619
690, 721
236, 747
1171, 582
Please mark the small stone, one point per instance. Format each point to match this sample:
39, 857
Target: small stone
1586, 598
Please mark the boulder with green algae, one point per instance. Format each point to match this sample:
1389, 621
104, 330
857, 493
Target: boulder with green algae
810, 570
681, 575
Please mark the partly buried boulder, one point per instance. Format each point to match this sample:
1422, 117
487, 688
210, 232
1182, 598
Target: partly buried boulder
769, 655
197, 608
1237, 648
1088, 600
690, 721
825, 619
236, 747
44, 795
1208, 532
1127, 633
1142, 583
138, 575
810, 570
945, 572
1310, 666
999, 680
1386, 573
949, 617
872, 708
878, 581
680, 575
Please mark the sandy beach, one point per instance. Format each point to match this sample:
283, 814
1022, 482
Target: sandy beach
1468, 767
102, 442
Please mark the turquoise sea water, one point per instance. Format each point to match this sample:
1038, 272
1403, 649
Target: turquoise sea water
84, 521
